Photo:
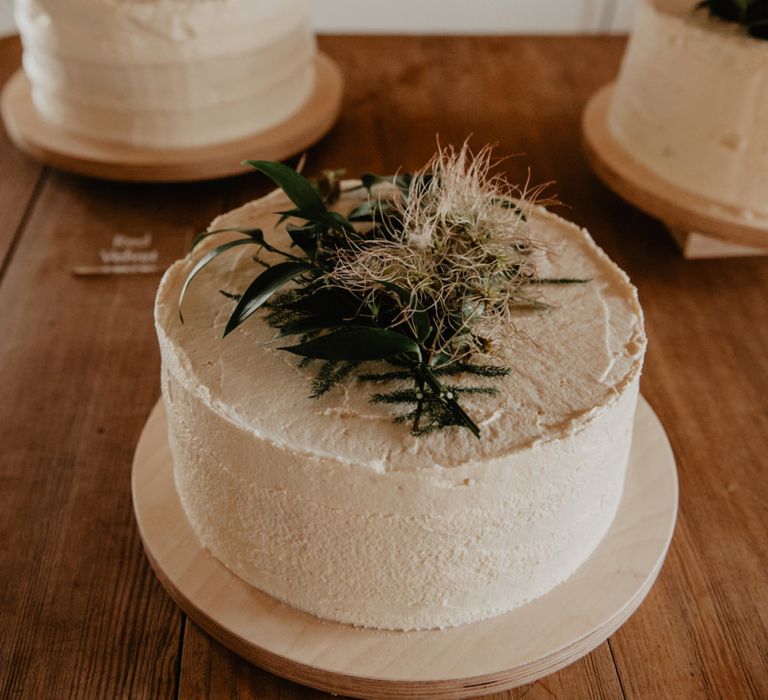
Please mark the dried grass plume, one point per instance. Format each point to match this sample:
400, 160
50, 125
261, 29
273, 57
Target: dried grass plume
462, 253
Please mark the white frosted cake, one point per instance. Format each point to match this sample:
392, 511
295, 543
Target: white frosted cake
331, 507
691, 104
167, 73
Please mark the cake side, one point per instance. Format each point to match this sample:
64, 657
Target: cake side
691, 104
329, 507
167, 74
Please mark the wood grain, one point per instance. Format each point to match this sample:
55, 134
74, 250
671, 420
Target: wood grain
80, 613
19, 176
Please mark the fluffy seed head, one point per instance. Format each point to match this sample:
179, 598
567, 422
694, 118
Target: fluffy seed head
462, 252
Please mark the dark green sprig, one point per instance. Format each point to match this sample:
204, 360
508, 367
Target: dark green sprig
329, 375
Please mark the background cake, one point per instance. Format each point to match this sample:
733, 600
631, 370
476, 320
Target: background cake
167, 73
331, 507
691, 104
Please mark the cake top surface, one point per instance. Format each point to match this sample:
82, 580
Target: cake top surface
567, 363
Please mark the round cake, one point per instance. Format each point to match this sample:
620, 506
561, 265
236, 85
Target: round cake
691, 104
167, 73
331, 507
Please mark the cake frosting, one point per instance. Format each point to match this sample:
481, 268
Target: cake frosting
691, 104
167, 73
330, 507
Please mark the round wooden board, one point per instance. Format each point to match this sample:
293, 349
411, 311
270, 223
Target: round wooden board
484, 657
61, 149
679, 209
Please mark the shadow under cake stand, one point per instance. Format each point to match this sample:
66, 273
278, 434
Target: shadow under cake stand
518, 647
112, 161
702, 228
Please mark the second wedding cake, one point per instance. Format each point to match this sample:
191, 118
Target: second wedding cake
691, 104
167, 73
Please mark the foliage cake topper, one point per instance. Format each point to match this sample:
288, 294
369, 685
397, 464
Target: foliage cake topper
423, 273
753, 14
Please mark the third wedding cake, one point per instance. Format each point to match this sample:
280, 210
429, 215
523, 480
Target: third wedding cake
691, 102
503, 342
167, 73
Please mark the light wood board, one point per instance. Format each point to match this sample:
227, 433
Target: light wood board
518, 647
112, 161
683, 212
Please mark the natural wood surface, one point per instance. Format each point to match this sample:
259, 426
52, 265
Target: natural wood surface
82, 615
77, 154
503, 652
19, 175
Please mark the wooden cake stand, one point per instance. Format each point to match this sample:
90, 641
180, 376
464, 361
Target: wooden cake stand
484, 657
62, 149
701, 227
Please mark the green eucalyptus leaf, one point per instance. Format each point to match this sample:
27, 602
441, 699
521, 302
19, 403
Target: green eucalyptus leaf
207, 258
326, 301
262, 288
339, 222
305, 237
289, 214
255, 233
298, 189
310, 324
357, 344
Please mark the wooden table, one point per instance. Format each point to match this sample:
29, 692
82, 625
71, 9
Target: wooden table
81, 612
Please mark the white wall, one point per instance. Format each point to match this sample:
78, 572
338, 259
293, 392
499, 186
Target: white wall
6, 18
454, 16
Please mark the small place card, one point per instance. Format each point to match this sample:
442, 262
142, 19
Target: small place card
127, 255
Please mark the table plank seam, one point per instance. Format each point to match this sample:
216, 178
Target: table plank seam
616, 668
5, 263
179, 656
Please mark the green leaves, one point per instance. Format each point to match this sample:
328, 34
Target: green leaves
357, 344
309, 203
297, 188
262, 288
255, 233
305, 237
207, 258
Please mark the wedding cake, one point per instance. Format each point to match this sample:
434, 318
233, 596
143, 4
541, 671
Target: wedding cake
167, 73
691, 104
332, 507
